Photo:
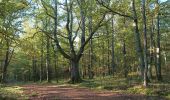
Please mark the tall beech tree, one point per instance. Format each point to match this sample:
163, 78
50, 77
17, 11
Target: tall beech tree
75, 54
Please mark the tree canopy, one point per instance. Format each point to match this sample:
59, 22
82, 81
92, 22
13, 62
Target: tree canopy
79, 39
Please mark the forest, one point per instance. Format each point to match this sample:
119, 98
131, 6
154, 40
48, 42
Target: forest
85, 49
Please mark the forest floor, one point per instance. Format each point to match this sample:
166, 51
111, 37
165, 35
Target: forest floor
107, 88
57, 92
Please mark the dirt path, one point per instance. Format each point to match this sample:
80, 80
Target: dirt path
54, 92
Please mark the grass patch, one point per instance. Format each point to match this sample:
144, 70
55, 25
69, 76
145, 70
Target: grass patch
140, 90
11, 92
127, 86
107, 83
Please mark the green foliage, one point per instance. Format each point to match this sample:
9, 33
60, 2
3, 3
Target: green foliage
28, 36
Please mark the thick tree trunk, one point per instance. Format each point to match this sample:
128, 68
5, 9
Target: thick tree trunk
75, 75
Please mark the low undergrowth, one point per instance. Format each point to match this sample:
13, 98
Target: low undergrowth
8, 92
127, 86
114, 84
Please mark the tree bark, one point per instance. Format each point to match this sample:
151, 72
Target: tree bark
108, 49
151, 56
56, 64
48, 60
75, 75
145, 44
55, 36
112, 47
138, 41
34, 68
158, 49
8, 58
91, 46
103, 59
42, 56
4, 73
124, 60
124, 52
